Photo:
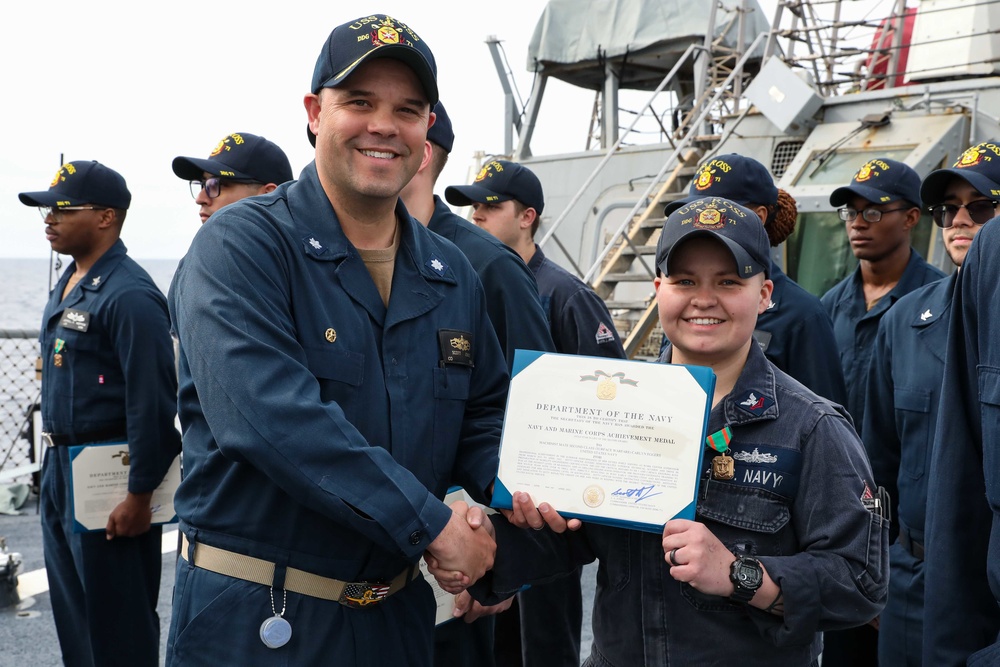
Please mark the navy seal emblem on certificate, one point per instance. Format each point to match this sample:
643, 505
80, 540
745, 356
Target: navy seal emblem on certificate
605, 440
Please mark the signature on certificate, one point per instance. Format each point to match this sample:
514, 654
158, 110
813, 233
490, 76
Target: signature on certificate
639, 493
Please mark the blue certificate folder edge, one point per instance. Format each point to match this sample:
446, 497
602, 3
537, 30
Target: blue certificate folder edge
503, 497
74, 451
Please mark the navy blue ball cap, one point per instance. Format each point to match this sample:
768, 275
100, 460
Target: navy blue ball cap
736, 226
734, 177
979, 165
880, 181
240, 156
376, 36
441, 132
366, 38
499, 181
81, 182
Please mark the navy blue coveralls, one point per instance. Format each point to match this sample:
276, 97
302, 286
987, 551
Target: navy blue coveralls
551, 614
795, 504
322, 428
855, 327
901, 410
113, 381
512, 296
514, 309
962, 570
580, 321
796, 334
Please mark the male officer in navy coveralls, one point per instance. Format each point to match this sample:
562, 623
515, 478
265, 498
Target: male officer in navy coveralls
880, 207
962, 548
338, 372
795, 332
241, 165
516, 313
508, 202
107, 375
903, 396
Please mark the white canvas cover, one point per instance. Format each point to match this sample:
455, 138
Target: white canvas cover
572, 36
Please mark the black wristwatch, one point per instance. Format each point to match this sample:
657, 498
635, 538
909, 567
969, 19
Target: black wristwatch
747, 575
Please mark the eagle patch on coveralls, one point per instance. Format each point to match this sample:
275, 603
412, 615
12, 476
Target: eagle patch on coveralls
754, 402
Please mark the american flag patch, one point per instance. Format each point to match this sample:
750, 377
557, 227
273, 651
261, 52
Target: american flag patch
362, 594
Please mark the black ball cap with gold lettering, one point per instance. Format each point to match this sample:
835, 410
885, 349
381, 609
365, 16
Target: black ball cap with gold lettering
880, 181
499, 181
240, 156
978, 165
81, 182
736, 226
734, 177
369, 37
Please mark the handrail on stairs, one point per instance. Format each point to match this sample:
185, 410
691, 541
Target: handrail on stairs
681, 145
611, 151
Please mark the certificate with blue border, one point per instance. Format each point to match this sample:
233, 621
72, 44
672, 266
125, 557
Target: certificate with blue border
605, 440
99, 481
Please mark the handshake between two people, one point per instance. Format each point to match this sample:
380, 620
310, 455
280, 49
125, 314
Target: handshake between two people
464, 551
693, 553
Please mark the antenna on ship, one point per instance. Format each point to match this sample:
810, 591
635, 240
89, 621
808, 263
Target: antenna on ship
54, 262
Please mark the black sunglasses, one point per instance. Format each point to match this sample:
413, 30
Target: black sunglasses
981, 212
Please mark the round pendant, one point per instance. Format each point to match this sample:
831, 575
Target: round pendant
275, 632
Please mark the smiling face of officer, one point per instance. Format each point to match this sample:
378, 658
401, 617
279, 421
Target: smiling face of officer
370, 130
958, 237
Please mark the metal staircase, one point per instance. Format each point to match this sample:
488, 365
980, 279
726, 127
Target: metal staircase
701, 108
630, 255
638, 244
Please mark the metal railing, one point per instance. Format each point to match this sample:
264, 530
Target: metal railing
670, 162
19, 393
610, 153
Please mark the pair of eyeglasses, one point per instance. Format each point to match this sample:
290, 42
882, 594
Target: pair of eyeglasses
213, 186
57, 211
868, 215
981, 212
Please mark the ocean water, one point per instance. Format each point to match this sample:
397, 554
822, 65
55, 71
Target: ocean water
24, 287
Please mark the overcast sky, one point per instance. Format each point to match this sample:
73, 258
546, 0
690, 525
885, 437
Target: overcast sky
134, 85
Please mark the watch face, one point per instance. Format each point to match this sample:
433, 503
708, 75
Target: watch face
749, 574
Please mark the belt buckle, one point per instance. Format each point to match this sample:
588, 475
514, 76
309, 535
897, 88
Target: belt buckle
47, 438
362, 594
